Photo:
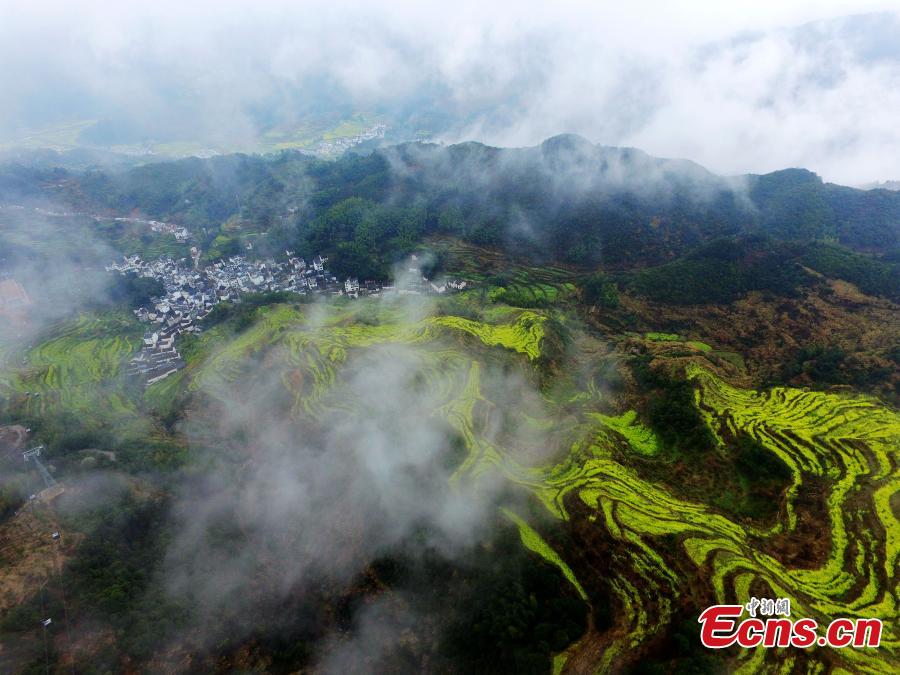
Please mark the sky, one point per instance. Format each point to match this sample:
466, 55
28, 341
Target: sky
737, 87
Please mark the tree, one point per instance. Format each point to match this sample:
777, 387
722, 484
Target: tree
598, 290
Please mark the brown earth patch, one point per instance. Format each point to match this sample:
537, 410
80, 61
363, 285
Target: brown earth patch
27, 552
768, 331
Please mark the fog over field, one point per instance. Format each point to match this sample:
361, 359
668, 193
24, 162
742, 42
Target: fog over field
738, 89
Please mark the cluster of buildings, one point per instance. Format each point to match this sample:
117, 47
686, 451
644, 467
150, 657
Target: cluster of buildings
187, 300
180, 233
191, 293
412, 281
336, 146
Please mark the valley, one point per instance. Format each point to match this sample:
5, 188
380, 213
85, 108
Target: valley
342, 448
661, 552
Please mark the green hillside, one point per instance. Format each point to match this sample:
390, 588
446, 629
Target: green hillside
657, 389
585, 469
566, 200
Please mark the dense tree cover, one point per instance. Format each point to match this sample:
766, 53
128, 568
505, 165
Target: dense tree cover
364, 238
496, 607
241, 315
135, 291
500, 607
793, 205
12, 496
761, 477
65, 432
824, 365
598, 289
722, 271
24, 182
819, 362
111, 580
746, 481
670, 408
725, 269
513, 617
554, 346
116, 562
676, 420
871, 275
565, 200
866, 220
681, 653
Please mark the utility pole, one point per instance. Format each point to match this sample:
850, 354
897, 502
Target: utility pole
35, 455
44, 623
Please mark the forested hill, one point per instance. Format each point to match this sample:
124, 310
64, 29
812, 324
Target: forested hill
566, 200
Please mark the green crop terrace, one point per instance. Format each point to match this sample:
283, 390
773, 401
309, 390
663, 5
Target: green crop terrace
664, 548
76, 367
850, 442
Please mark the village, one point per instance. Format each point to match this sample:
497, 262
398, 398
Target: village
335, 146
191, 292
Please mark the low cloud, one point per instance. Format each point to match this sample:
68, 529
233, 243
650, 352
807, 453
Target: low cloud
281, 503
750, 89
51, 267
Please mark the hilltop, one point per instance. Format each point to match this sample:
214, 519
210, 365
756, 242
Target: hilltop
566, 200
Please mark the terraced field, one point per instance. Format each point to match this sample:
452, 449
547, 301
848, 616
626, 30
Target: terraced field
316, 354
481, 264
75, 368
833, 549
852, 443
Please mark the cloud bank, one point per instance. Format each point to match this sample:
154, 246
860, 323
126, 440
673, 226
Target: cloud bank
738, 89
281, 505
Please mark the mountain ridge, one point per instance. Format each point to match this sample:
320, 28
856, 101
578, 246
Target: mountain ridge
566, 200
